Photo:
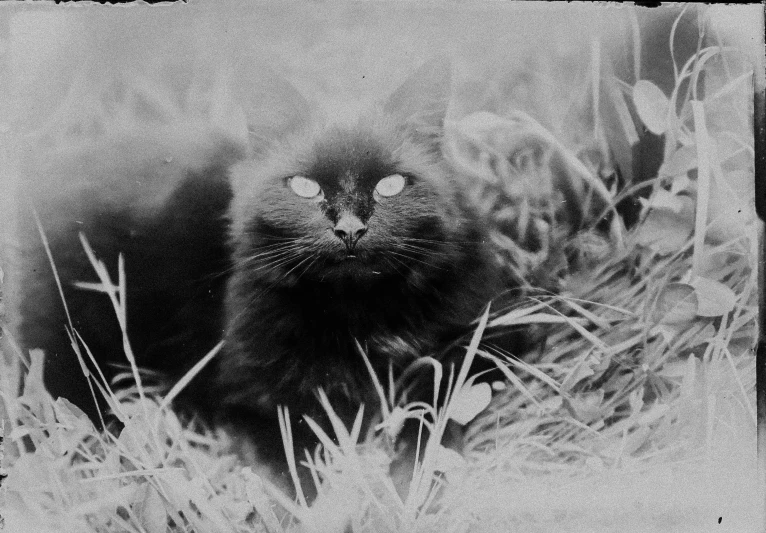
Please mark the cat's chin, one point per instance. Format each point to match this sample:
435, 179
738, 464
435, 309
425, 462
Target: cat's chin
352, 268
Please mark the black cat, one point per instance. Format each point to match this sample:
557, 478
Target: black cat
328, 236
343, 234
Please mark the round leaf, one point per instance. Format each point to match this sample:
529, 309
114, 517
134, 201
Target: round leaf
448, 460
663, 199
651, 105
679, 162
664, 231
676, 304
152, 511
714, 298
588, 406
469, 402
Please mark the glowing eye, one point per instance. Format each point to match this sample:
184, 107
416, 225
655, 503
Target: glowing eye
304, 187
391, 185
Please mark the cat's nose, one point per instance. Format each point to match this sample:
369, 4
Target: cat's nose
350, 229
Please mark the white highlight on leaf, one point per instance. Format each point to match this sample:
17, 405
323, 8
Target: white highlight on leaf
652, 106
469, 402
499, 386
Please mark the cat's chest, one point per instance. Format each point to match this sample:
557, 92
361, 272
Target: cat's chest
386, 330
350, 313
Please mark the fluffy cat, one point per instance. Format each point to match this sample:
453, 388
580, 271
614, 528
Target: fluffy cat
348, 233
327, 236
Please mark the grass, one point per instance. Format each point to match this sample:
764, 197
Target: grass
637, 414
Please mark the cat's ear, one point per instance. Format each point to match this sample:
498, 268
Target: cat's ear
421, 101
273, 109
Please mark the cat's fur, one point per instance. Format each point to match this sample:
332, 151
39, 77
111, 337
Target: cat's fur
160, 205
219, 251
298, 308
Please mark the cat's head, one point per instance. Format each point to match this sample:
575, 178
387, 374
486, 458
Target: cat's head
363, 199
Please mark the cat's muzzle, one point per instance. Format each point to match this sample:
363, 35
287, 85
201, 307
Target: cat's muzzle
349, 229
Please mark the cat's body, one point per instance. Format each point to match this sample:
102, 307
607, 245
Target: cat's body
330, 238
381, 252
164, 209
300, 304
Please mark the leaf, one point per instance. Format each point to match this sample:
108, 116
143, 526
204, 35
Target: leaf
394, 423
676, 304
668, 332
628, 445
728, 214
714, 298
681, 183
34, 385
664, 231
470, 402
742, 184
582, 370
587, 406
19, 432
617, 99
331, 511
151, 511
727, 147
652, 106
679, 162
105, 502
258, 499
550, 405
714, 261
31, 473
662, 199
448, 460
654, 413
72, 416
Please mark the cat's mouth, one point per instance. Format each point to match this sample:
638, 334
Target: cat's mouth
356, 255
356, 261
356, 264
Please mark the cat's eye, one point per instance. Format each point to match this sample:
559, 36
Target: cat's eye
390, 185
304, 187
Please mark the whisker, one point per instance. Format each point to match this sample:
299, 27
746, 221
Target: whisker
435, 241
296, 266
251, 301
233, 267
270, 237
426, 263
276, 245
303, 272
393, 265
280, 263
240, 263
418, 287
279, 246
419, 249
272, 255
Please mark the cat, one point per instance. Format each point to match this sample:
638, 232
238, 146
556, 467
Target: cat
344, 237
322, 239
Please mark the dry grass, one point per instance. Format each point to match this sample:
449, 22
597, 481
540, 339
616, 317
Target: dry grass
637, 414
